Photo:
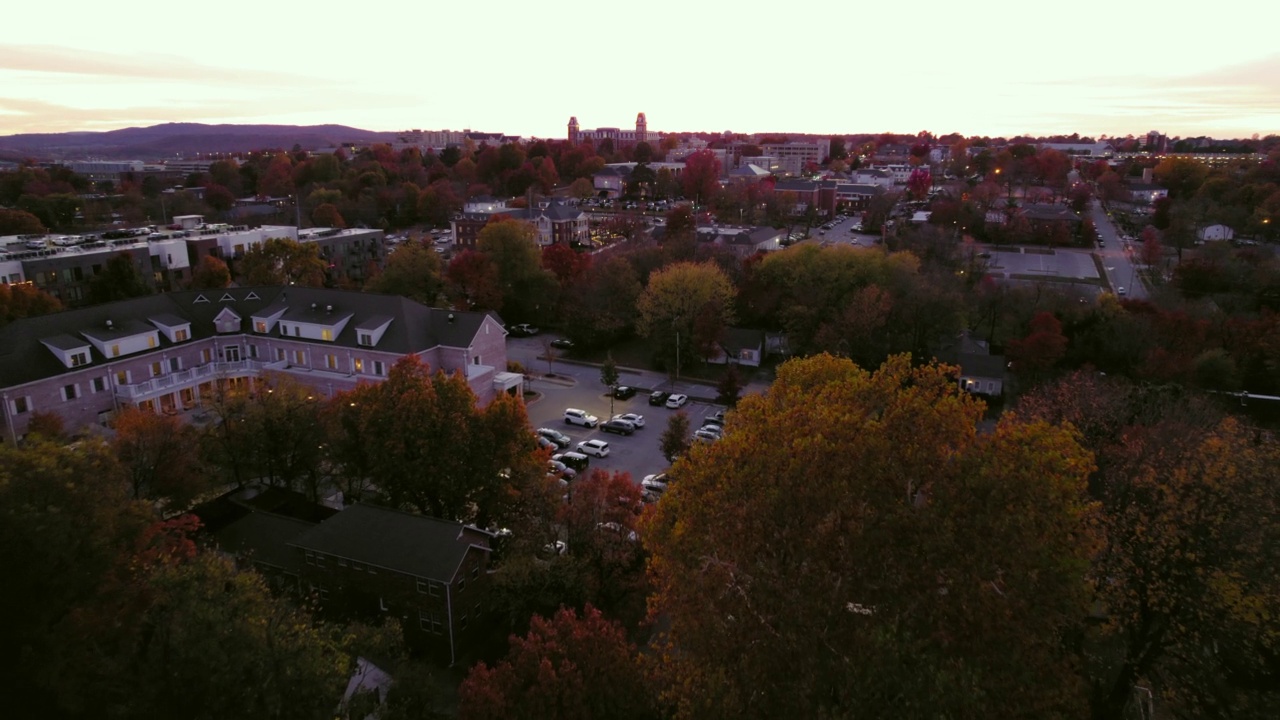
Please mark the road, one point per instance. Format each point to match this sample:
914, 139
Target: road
1119, 267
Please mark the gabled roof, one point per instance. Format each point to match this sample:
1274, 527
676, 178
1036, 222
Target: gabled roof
415, 545
736, 339
24, 358
980, 365
263, 537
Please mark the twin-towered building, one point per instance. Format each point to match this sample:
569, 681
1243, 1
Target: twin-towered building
617, 135
173, 352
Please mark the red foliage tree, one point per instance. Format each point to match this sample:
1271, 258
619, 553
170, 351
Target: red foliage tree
569, 667
701, 178
473, 280
1152, 250
1042, 348
919, 182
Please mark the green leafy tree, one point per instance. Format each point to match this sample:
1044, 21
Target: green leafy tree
412, 271
119, 280
760, 555
675, 438
693, 301
526, 286
282, 261
609, 376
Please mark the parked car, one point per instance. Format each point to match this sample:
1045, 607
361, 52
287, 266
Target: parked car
624, 392
620, 427
545, 444
617, 529
574, 416
715, 419
658, 397
677, 401
523, 330
557, 468
598, 448
706, 435
555, 436
633, 418
1121, 291
655, 483
562, 343
712, 429
577, 461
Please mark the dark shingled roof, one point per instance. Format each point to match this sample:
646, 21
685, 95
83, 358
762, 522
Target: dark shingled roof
978, 365
414, 328
263, 537
415, 545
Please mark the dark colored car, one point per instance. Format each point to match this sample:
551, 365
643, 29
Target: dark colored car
624, 392
562, 343
658, 397
621, 427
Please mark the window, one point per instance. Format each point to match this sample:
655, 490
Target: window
122, 377
424, 586
284, 330
206, 355
429, 622
115, 350
462, 622
297, 331
70, 392
434, 590
253, 351
99, 384
331, 362
180, 335
366, 339
78, 359
382, 605
324, 592
377, 368
280, 355
373, 570
151, 340
157, 369
357, 365
475, 571
326, 334
342, 562
175, 364
21, 405
462, 584
299, 357
357, 566
259, 326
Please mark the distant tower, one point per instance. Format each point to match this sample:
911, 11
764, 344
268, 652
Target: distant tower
574, 131
642, 128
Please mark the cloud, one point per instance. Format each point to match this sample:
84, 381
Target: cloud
54, 59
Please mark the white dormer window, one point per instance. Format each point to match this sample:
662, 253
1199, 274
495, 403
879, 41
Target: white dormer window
366, 339
79, 358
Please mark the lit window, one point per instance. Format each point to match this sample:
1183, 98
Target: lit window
358, 364
259, 326
79, 359
180, 335
326, 334
151, 341
115, 350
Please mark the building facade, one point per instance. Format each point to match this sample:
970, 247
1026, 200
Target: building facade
171, 353
617, 135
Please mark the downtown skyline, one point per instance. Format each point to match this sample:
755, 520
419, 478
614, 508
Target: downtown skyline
1000, 69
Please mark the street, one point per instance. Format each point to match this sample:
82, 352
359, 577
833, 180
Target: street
1119, 267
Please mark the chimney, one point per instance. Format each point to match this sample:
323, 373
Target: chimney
328, 309
108, 324
450, 317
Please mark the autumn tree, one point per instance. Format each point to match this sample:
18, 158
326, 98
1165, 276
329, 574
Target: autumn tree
412, 271
20, 222
729, 388
211, 274
1152, 250
155, 451
609, 376
571, 667
1041, 349
327, 215
120, 279
760, 555
417, 427
689, 300
701, 177
473, 281
1189, 513
614, 288
599, 516
22, 300
282, 261
284, 434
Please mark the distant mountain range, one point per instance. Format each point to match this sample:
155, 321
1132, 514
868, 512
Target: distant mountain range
182, 139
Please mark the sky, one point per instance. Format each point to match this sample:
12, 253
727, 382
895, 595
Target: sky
988, 67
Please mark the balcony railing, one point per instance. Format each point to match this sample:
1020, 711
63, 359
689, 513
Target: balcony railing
188, 377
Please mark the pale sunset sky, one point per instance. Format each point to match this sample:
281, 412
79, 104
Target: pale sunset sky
988, 67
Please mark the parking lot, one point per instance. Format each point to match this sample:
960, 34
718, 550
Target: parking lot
637, 454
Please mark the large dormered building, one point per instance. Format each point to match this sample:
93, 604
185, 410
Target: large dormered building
171, 352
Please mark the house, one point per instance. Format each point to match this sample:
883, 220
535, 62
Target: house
981, 374
431, 574
172, 352
742, 241
740, 346
1215, 232
553, 222
873, 176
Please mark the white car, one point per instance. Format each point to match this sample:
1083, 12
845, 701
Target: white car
716, 430
706, 435
655, 483
574, 416
633, 418
677, 401
598, 448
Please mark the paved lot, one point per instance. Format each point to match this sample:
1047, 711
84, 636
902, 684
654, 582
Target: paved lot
637, 454
1063, 263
